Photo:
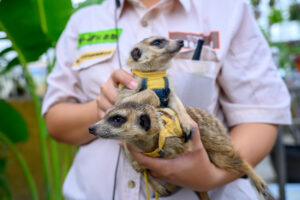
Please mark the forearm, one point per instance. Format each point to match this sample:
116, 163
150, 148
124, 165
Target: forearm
253, 141
69, 122
194, 169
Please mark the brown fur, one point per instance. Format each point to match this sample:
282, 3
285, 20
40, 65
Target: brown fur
213, 136
152, 59
143, 136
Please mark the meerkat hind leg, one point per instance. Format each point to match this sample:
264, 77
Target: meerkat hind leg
158, 187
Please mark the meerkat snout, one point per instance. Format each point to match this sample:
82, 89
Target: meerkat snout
154, 53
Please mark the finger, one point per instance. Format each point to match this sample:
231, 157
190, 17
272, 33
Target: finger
109, 91
103, 103
154, 174
101, 114
196, 139
121, 76
146, 161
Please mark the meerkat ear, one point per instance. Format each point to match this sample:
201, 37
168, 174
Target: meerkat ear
145, 122
136, 53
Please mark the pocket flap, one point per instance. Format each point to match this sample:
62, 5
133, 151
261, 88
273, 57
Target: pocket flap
89, 58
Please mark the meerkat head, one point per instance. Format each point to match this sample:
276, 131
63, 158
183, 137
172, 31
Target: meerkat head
134, 123
153, 54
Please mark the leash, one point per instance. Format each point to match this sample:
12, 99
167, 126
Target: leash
147, 187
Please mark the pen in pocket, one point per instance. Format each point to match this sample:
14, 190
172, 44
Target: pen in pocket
197, 53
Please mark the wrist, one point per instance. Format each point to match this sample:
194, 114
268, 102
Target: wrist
221, 177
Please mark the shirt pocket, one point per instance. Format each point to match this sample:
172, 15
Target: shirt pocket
93, 66
195, 80
92, 54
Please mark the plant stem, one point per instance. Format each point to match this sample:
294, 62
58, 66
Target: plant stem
56, 174
21, 160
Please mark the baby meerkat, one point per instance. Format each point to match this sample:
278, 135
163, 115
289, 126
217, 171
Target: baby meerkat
149, 60
141, 126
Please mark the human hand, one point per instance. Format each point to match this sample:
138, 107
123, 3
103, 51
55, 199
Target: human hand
192, 169
108, 90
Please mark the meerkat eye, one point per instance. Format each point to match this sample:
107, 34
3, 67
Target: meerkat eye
117, 120
156, 42
159, 43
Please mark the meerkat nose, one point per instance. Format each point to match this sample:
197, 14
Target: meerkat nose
180, 42
92, 129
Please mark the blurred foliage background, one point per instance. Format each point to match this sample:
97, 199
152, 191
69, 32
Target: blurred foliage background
32, 165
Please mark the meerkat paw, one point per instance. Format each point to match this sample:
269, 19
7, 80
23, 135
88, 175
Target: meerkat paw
187, 128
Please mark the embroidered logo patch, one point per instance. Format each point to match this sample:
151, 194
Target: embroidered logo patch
190, 39
93, 55
104, 36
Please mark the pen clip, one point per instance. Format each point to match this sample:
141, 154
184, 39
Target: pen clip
197, 53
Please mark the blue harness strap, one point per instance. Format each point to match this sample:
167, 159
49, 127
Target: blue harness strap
163, 94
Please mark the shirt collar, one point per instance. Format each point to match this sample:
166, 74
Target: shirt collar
185, 3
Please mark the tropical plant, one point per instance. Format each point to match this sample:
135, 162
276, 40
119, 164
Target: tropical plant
32, 27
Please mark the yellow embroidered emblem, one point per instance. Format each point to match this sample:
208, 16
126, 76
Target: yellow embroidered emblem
93, 55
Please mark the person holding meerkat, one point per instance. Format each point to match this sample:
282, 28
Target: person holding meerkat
235, 79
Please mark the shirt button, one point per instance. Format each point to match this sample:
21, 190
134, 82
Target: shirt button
144, 23
131, 184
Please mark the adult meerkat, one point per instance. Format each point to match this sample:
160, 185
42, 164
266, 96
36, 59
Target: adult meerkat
149, 60
141, 126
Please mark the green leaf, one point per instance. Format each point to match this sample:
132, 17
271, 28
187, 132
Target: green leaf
19, 19
13, 63
275, 16
54, 15
4, 51
294, 11
12, 124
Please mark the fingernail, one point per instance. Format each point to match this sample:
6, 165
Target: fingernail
132, 85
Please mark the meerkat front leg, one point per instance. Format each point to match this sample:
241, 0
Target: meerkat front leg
178, 107
135, 165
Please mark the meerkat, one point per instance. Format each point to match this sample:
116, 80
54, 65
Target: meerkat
140, 125
149, 60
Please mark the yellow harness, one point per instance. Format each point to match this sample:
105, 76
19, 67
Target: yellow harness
155, 80
172, 128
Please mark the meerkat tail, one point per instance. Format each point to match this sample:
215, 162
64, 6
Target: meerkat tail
258, 182
203, 195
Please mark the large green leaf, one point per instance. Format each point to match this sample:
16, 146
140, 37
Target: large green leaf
20, 20
12, 124
54, 15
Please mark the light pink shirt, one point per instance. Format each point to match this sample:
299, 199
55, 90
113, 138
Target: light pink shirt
235, 79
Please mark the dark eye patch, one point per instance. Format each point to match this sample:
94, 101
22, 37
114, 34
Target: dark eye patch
159, 43
145, 122
117, 120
